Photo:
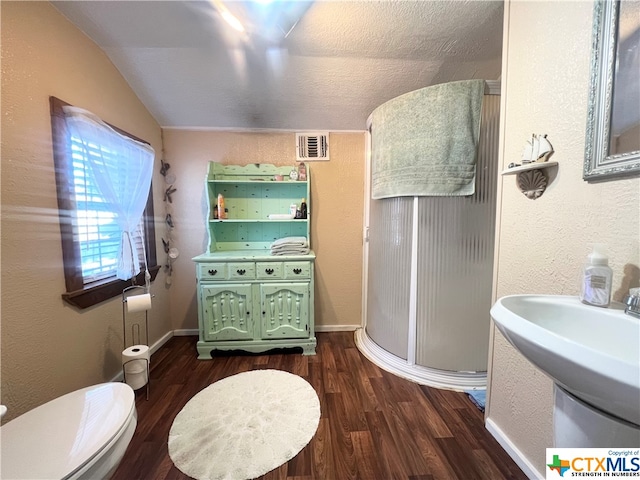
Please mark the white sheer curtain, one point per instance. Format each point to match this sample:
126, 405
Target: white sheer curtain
122, 168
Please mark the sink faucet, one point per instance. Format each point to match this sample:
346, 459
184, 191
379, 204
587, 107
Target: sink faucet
632, 302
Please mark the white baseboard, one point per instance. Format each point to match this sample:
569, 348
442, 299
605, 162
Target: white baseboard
336, 328
160, 342
185, 332
513, 451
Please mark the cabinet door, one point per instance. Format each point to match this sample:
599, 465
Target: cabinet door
226, 312
285, 310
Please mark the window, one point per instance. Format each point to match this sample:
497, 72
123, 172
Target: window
90, 233
98, 233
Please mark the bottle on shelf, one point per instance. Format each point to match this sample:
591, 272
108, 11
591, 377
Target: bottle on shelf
303, 208
222, 212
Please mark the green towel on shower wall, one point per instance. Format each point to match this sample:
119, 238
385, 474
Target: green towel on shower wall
424, 143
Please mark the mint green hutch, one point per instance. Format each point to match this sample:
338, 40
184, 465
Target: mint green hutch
249, 299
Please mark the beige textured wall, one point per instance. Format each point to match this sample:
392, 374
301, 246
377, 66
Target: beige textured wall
543, 243
48, 347
336, 211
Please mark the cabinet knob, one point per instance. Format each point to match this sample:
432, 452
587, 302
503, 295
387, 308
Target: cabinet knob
297, 271
213, 272
268, 271
241, 272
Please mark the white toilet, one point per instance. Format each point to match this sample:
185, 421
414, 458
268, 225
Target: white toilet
81, 435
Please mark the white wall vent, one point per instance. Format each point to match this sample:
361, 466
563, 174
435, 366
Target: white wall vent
312, 146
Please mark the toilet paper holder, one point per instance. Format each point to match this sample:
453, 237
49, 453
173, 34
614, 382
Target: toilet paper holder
135, 328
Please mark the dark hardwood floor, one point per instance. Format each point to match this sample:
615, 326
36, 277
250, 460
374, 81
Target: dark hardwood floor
373, 424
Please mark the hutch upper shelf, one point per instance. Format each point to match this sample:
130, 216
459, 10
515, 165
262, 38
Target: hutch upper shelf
257, 200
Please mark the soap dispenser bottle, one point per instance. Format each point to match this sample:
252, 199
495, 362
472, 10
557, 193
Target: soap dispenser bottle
596, 280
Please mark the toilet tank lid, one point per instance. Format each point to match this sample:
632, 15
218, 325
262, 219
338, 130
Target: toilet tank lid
57, 438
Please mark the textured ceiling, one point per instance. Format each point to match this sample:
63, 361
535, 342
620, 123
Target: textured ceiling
338, 63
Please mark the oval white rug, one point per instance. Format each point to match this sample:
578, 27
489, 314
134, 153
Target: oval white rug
244, 426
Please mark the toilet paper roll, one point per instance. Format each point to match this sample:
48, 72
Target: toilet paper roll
135, 361
138, 303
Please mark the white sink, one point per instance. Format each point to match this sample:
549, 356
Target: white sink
592, 352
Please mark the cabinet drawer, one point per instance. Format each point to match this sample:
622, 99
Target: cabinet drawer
266, 270
213, 271
242, 270
297, 270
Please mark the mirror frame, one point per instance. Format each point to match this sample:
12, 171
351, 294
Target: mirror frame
598, 164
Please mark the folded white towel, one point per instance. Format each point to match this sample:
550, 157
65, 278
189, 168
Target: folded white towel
290, 246
289, 241
291, 251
